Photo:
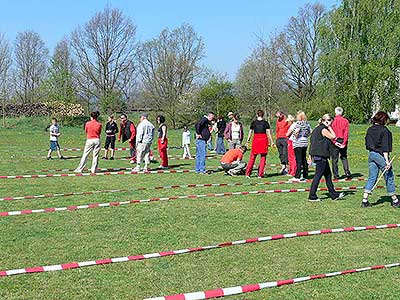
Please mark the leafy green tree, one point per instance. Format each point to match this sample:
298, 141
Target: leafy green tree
360, 56
218, 95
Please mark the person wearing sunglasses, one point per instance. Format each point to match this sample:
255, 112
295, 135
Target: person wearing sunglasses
321, 138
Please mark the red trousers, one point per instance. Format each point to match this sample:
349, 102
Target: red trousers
292, 158
250, 165
162, 150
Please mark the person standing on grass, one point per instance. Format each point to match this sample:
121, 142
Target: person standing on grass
321, 138
128, 133
144, 139
186, 143
162, 142
234, 132
221, 126
340, 126
290, 137
261, 132
232, 161
282, 127
301, 132
111, 130
378, 141
202, 136
93, 132
54, 130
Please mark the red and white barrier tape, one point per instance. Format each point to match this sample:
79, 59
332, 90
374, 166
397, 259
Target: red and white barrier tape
95, 174
164, 187
236, 290
119, 203
73, 265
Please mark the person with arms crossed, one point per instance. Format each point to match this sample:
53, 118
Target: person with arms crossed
111, 130
128, 133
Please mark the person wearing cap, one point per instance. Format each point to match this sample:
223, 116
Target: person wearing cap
93, 132
202, 136
340, 126
230, 116
232, 161
128, 133
144, 139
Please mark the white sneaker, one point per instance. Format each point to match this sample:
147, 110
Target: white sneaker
146, 169
132, 162
136, 169
294, 179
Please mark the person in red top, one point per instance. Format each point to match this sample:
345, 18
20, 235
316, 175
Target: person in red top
232, 162
128, 133
282, 127
340, 126
93, 131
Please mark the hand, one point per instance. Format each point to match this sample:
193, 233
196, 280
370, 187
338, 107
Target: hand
247, 144
198, 136
162, 142
119, 140
388, 165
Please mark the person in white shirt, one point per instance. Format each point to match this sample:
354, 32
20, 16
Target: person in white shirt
186, 143
54, 130
144, 139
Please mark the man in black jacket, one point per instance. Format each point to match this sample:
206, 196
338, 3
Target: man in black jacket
202, 136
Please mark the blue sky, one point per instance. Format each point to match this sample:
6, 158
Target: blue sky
227, 27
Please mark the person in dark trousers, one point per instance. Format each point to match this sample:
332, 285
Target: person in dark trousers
111, 130
321, 138
128, 133
301, 131
221, 126
282, 127
162, 142
378, 142
340, 126
202, 136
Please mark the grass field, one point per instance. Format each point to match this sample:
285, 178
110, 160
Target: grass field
61, 237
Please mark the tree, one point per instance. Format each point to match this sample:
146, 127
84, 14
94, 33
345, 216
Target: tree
31, 57
259, 82
105, 52
59, 84
217, 95
5, 64
361, 56
299, 51
169, 66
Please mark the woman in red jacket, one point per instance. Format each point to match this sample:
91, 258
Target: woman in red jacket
261, 130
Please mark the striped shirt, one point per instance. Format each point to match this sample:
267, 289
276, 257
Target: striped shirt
302, 131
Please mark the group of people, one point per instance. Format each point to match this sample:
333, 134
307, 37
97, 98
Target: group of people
298, 146
139, 138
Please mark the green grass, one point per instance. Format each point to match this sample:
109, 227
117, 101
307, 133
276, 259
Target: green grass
53, 238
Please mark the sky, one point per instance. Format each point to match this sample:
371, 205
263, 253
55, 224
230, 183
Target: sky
228, 27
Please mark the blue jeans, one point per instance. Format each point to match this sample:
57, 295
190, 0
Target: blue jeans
201, 156
220, 145
377, 162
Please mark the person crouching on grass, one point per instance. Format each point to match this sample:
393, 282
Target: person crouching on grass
232, 162
54, 130
378, 142
321, 138
111, 130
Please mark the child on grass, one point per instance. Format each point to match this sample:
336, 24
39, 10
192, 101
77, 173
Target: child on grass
54, 130
186, 143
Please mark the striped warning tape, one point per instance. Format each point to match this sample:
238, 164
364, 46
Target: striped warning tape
94, 174
27, 197
119, 203
236, 290
73, 265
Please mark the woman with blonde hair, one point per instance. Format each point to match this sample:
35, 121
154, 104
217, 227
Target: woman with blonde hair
301, 131
289, 134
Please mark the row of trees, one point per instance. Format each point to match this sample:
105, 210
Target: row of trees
346, 56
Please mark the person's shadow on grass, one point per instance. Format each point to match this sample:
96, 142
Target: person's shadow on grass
382, 200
